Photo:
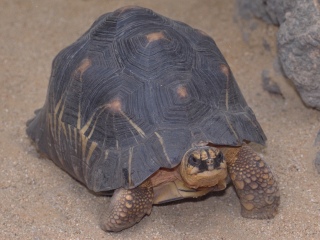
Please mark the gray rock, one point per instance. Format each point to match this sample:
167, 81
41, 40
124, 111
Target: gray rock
271, 11
317, 140
317, 159
298, 40
299, 49
317, 162
269, 85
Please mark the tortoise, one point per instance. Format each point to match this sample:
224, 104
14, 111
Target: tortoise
147, 107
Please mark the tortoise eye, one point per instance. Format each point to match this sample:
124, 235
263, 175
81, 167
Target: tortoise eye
194, 161
219, 157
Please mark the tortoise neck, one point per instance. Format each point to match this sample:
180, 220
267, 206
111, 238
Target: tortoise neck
230, 153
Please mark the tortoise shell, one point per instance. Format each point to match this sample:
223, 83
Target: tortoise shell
132, 95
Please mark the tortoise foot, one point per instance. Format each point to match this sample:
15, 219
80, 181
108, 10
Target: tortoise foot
127, 207
255, 185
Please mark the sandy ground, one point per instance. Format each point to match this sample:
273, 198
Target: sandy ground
40, 201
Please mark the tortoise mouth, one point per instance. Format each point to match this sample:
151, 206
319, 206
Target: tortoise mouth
203, 167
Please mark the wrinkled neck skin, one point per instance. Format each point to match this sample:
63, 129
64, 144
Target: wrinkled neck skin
230, 153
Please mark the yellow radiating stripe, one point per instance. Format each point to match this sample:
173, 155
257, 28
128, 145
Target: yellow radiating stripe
227, 99
49, 122
84, 142
79, 118
63, 126
227, 93
60, 124
75, 132
232, 129
135, 126
163, 148
248, 118
57, 123
55, 113
225, 70
70, 134
106, 154
91, 149
56, 109
86, 126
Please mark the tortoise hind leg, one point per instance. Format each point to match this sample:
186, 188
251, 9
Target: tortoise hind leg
127, 207
254, 182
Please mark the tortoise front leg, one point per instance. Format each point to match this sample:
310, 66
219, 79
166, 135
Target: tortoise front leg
254, 182
127, 207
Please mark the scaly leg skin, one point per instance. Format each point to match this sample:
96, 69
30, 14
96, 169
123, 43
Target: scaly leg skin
254, 182
127, 207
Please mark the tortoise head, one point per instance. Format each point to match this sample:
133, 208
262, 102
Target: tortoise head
203, 166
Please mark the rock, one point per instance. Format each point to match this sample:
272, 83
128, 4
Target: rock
269, 85
299, 49
317, 140
298, 40
317, 162
317, 159
271, 11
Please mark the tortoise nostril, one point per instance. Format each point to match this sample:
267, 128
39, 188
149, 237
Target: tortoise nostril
210, 161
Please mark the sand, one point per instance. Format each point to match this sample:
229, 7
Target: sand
40, 201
